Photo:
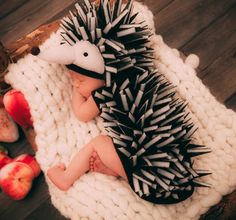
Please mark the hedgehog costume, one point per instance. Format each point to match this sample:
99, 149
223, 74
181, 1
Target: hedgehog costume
149, 127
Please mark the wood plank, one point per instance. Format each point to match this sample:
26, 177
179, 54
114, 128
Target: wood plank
220, 76
29, 16
156, 6
23, 208
218, 38
225, 210
182, 20
7, 8
231, 102
46, 211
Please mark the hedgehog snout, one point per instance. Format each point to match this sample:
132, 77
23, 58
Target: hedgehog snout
35, 51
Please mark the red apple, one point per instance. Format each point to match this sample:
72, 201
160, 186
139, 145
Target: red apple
16, 180
30, 161
17, 107
4, 159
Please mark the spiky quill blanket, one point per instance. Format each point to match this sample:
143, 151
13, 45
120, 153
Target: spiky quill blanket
60, 136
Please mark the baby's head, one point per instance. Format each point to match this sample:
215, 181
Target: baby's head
84, 84
84, 61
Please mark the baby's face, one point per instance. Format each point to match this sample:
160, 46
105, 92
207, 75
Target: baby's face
85, 84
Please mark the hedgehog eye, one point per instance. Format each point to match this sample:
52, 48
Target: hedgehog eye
85, 54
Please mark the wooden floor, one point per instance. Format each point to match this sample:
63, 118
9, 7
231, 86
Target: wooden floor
204, 27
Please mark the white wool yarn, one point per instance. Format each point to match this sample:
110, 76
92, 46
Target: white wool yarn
192, 60
59, 136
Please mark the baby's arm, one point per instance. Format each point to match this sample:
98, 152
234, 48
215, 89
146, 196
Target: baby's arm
84, 109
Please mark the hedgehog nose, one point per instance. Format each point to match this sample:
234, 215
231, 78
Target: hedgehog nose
35, 51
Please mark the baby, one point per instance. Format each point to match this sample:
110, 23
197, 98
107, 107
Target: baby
99, 154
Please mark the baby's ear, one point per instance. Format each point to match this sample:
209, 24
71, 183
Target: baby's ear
62, 54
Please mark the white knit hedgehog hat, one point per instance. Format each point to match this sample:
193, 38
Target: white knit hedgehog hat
101, 41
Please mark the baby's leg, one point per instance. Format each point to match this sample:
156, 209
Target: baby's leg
103, 145
105, 150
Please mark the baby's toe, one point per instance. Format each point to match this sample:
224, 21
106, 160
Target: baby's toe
96, 166
94, 154
91, 159
91, 167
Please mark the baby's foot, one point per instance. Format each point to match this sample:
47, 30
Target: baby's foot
57, 175
96, 165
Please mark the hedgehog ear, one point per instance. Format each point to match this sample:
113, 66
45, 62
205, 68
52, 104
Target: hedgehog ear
62, 54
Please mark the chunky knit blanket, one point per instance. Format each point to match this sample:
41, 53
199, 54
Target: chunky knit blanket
59, 136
